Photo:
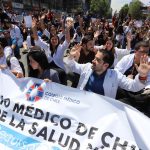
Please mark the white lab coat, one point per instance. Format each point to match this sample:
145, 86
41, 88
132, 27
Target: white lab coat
125, 63
113, 79
119, 53
58, 56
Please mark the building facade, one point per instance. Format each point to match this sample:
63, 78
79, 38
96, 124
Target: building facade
72, 5
36, 5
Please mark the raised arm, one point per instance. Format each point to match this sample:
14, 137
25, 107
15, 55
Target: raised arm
34, 30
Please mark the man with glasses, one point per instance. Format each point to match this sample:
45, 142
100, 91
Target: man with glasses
127, 66
97, 76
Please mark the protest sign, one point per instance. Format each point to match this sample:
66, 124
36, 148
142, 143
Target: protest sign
35, 115
28, 21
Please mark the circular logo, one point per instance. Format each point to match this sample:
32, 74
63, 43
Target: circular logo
34, 93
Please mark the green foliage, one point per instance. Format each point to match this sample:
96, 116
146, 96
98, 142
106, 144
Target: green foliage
135, 9
100, 7
124, 11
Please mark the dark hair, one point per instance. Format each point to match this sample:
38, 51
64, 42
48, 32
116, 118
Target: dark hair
3, 42
86, 39
141, 44
112, 49
72, 31
30, 32
52, 26
108, 57
51, 47
40, 57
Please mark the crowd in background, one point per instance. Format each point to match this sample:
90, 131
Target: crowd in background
107, 58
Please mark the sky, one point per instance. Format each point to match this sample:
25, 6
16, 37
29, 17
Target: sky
117, 4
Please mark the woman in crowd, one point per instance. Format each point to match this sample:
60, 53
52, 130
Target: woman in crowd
118, 53
54, 51
39, 68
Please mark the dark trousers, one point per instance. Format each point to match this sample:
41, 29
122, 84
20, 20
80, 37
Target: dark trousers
74, 78
136, 99
62, 75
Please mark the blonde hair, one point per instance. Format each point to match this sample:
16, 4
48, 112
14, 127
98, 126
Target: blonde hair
70, 19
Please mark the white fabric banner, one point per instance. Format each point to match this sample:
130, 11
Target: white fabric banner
35, 115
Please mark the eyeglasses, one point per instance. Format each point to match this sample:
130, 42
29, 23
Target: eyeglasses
144, 52
98, 60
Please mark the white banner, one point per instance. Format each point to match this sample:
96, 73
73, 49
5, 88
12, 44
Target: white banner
35, 115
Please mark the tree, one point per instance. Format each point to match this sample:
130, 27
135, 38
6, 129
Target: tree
101, 7
135, 9
123, 11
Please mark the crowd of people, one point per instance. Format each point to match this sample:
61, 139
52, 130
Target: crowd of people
110, 59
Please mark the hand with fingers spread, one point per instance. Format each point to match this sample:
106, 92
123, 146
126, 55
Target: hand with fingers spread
75, 52
143, 68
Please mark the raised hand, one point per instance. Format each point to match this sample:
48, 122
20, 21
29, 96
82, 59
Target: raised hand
96, 34
34, 29
75, 52
43, 17
144, 66
129, 37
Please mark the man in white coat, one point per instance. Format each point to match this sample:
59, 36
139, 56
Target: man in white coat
98, 78
126, 66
